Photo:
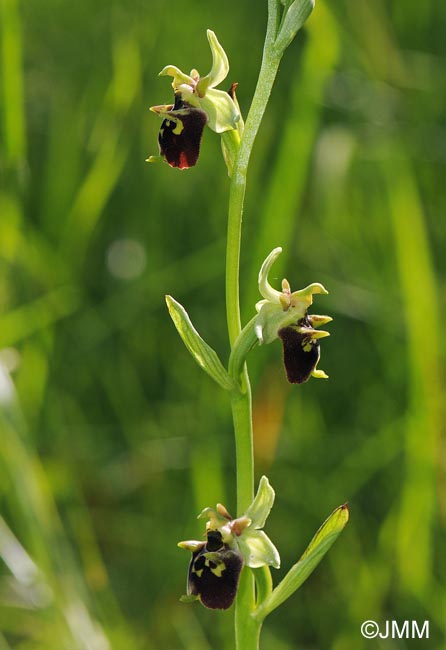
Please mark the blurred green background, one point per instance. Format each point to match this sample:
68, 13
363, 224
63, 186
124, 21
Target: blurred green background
112, 439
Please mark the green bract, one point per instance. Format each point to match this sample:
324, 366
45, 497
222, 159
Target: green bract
203, 354
201, 93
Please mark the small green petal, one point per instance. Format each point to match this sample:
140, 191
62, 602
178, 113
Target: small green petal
307, 293
191, 545
316, 320
258, 550
215, 518
179, 77
265, 288
161, 109
221, 110
260, 508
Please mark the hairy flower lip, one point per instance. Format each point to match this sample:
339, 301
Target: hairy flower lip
180, 134
214, 571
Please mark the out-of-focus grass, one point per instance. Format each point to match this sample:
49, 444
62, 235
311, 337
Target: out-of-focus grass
14, 140
111, 439
419, 292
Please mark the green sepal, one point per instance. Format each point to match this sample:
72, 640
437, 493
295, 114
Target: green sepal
258, 550
294, 18
260, 508
315, 551
203, 354
221, 111
220, 65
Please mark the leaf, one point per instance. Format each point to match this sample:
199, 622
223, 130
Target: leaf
203, 354
317, 548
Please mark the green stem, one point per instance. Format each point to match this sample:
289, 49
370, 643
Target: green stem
242, 418
247, 629
268, 71
241, 405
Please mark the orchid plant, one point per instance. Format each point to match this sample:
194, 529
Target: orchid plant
233, 562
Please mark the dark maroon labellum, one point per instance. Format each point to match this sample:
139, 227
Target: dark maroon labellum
214, 572
300, 352
180, 136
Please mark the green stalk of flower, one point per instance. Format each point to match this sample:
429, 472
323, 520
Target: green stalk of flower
241, 409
